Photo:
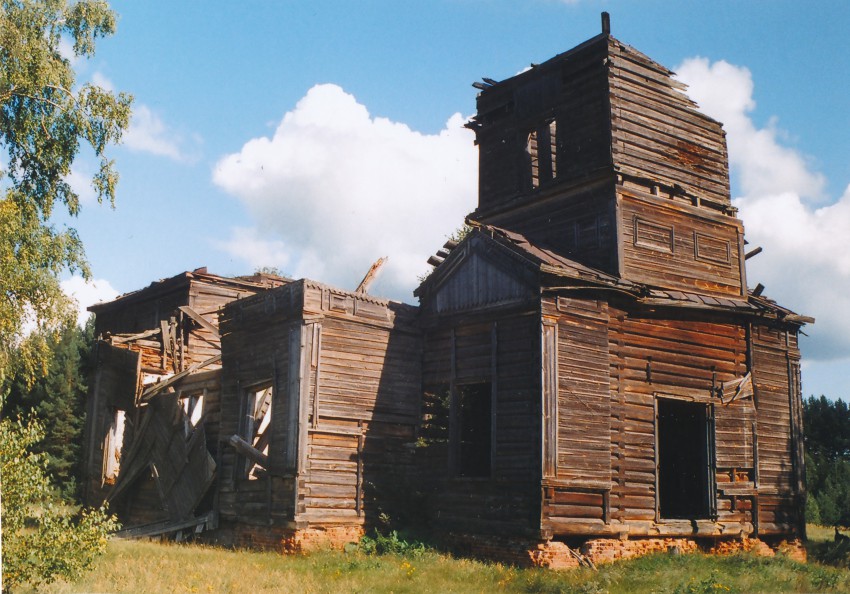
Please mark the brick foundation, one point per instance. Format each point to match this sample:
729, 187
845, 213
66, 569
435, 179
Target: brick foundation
286, 540
606, 550
557, 555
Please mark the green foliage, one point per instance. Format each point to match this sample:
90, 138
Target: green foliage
58, 401
45, 120
390, 544
827, 430
41, 540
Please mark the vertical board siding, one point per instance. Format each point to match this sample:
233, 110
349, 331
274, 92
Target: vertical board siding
772, 358
506, 502
583, 390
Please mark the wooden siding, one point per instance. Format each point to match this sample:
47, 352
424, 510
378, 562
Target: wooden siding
207, 299
344, 368
675, 357
571, 90
672, 245
578, 222
575, 499
657, 132
506, 353
362, 408
256, 350
477, 280
775, 354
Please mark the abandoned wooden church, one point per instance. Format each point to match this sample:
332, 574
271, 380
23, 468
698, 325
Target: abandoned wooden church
586, 368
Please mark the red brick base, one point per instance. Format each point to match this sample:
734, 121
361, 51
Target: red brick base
606, 550
557, 555
286, 540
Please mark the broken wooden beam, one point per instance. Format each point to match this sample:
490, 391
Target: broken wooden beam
155, 389
249, 451
199, 319
371, 275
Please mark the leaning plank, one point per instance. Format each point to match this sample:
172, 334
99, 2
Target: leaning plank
249, 451
199, 319
157, 528
157, 388
120, 339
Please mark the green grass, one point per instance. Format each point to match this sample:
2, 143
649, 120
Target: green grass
152, 567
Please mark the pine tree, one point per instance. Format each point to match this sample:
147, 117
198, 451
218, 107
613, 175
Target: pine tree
58, 401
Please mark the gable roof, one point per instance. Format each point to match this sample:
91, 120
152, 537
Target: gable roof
554, 272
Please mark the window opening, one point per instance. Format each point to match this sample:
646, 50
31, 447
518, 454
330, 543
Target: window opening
541, 146
257, 415
475, 410
193, 410
435, 415
684, 443
112, 447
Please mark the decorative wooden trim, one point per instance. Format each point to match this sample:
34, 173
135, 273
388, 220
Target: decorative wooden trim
712, 250
664, 243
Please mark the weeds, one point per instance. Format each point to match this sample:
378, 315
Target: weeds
390, 544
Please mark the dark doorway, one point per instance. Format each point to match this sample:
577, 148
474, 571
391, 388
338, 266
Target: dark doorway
683, 459
475, 429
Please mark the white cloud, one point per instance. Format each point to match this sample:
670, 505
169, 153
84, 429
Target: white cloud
80, 180
87, 293
806, 260
334, 189
148, 133
99, 79
256, 252
765, 166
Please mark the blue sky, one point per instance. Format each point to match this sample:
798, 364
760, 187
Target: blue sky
319, 136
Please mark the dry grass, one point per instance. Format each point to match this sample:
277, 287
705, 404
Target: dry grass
152, 567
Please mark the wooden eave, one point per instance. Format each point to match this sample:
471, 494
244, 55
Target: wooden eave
258, 282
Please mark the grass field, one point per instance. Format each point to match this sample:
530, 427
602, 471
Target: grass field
152, 567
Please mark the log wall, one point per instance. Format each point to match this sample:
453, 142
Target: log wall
345, 372
657, 132
683, 358
362, 407
261, 343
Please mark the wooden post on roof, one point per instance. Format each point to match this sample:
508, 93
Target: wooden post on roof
370, 276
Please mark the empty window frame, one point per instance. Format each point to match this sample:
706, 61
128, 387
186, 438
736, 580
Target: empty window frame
475, 427
435, 414
256, 427
112, 446
193, 411
685, 442
541, 149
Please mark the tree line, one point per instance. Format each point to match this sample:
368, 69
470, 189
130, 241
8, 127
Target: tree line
826, 426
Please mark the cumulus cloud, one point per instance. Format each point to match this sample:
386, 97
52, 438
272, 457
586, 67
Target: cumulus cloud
764, 165
806, 260
335, 188
87, 293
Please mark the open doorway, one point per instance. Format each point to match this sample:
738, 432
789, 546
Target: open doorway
684, 445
